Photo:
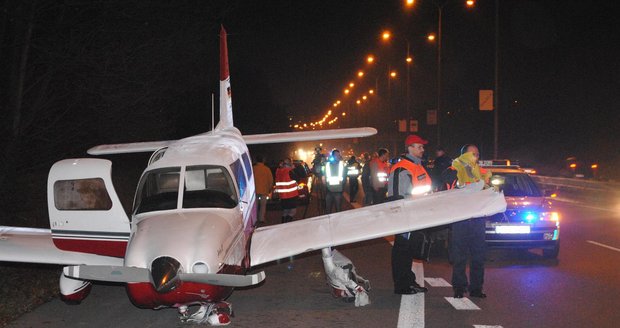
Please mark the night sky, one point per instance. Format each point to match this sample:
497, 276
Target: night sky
117, 71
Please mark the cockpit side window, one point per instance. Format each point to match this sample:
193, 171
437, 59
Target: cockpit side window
158, 191
208, 186
237, 171
247, 164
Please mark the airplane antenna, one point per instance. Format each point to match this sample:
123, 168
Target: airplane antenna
212, 111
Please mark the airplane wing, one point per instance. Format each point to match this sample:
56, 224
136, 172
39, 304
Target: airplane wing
253, 139
133, 147
284, 240
33, 245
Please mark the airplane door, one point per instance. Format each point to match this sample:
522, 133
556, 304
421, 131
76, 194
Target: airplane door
85, 212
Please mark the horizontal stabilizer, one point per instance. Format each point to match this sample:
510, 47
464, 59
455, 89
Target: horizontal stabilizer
230, 280
108, 273
253, 139
126, 148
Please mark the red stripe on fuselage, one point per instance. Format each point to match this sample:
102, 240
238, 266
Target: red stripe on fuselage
100, 247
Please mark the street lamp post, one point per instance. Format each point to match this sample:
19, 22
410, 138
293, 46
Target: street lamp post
440, 10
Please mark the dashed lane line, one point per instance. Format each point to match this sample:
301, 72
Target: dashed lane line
437, 282
487, 326
603, 245
462, 303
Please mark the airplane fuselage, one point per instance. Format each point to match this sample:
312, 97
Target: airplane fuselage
199, 231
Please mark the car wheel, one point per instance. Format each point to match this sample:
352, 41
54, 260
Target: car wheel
552, 253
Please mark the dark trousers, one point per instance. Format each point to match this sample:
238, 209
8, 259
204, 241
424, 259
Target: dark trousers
335, 199
468, 241
378, 196
354, 187
402, 258
368, 195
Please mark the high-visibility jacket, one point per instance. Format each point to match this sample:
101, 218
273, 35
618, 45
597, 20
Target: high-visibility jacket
334, 176
467, 171
379, 171
285, 186
420, 180
353, 170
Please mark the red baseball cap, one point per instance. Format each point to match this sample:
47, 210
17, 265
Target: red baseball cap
414, 138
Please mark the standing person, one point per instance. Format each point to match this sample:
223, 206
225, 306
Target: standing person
286, 187
366, 180
407, 178
468, 236
379, 170
442, 162
334, 178
263, 179
353, 172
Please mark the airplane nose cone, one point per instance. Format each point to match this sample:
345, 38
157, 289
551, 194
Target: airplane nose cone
164, 271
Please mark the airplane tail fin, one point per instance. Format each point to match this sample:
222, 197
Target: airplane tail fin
226, 115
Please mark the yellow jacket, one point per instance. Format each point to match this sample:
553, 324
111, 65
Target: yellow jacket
263, 179
468, 171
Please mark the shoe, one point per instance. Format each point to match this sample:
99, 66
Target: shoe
458, 292
414, 289
477, 293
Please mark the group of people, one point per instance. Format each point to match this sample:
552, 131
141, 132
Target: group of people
381, 181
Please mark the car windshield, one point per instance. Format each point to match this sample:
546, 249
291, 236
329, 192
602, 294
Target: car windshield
519, 185
208, 186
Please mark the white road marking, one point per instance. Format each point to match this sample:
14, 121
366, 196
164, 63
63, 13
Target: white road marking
603, 245
437, 282
411, 313
487, 326
462, 303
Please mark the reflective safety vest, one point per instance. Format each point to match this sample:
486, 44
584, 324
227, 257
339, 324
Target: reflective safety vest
379, 178
420, 180
353, 170
334, 176
285, 186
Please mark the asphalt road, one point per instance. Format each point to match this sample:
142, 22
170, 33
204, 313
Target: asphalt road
580, 289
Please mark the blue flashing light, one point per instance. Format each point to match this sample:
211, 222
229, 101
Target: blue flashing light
529, 216
332, 159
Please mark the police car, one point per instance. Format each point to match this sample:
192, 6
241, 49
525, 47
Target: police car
530, 220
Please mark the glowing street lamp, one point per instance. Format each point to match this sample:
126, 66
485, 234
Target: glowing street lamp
386, 35
370, 59
351, 85
470, 3
409, 59
346, 91
409, 3
393, 74
431, 37
360, 73
371, 91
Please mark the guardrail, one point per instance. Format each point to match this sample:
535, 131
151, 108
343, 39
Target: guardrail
580, 184
595, 193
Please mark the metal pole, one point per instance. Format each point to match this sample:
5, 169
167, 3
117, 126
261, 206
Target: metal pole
440, 7
496, 92
408, 103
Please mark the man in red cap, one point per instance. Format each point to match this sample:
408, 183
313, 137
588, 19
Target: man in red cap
408, 178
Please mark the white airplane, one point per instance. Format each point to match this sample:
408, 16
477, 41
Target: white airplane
192, 237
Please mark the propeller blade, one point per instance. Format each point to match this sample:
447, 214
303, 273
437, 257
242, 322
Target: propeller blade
108, 273
231, 280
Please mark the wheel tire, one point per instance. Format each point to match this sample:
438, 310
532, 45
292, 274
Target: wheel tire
552, 253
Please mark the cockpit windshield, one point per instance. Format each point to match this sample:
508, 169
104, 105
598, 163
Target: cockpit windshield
208, 186
204, 186
159, 190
